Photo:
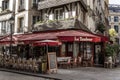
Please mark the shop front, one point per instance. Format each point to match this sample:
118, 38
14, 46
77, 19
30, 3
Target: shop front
75, 46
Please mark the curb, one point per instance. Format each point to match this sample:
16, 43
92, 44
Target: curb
29, 74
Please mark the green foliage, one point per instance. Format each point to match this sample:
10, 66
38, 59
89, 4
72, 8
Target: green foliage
101, 27
116, 48
111, 49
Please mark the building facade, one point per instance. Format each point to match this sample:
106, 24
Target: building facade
77, 24
5, 13
26, 15
114, 19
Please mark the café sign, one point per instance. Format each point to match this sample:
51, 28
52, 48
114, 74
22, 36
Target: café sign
83, 39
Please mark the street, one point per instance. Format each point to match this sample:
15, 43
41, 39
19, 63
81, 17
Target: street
89, 73
14, 76
83, 73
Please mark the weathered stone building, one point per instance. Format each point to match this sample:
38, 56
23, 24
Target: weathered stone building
114, 19
81, 25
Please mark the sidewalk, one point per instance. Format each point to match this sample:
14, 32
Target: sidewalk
30, 74
82, 73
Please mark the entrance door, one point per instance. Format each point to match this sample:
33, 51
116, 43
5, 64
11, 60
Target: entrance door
97, 56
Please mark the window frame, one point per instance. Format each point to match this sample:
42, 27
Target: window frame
59, 13
117, 30
37, 18
21, 26
116, 19
5, 5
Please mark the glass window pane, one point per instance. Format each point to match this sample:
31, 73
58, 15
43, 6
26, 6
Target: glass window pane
115, 18
116, 28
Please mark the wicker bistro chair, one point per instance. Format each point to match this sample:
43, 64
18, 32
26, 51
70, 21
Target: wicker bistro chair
108, 62
90, 61
23, 62
29, 65
74, 62
1, 61
14, 63
6, 63
85, 62
35, 66
18, 63
79, 61
10, 63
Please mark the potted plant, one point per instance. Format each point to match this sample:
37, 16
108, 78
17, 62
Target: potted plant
111, 52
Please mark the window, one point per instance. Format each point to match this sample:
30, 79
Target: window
83, 16
35, 19
59, 14
21, 24
115, 18
21, 2
109, 18
36, 1
116, 28
5, 5
21, 5
5, 28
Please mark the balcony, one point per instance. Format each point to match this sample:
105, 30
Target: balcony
6, 11
58, 25
53, 3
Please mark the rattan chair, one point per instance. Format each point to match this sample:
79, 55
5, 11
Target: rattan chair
35, 67
79, 61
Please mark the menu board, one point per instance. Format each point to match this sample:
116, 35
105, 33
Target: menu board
52, 62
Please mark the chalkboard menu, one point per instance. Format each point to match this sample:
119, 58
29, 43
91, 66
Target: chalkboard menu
52, 62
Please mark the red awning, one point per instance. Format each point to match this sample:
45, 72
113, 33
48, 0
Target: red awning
78, 35
104, 38
63, 35
70, 34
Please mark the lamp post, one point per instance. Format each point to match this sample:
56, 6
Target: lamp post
11, 21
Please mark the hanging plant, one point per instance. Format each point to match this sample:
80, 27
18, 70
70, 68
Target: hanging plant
100, 27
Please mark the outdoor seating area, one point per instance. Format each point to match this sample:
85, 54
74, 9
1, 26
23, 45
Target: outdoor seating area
30, 65
69, 62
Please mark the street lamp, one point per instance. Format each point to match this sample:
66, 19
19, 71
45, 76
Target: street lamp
11, 21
